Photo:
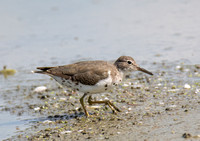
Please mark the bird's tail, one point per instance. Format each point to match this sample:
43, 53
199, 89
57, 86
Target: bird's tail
42, 70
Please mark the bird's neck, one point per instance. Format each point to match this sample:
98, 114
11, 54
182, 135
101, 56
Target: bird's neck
123, 74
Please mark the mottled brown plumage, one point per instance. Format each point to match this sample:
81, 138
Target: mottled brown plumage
93, 76
85, 72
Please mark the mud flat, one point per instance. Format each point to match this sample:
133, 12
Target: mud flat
163, 107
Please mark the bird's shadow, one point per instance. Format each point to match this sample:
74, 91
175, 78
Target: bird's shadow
62, 117
50, 118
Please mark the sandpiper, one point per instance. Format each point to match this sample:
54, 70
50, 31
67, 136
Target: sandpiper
91, 77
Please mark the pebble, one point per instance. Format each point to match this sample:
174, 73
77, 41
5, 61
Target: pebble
47, 121
187, 70
173, 106
66, 132
94, 107
173, 90
37, 108
186, 135
161, 103
178, 67
40, 89
196, 91
56, 105
197, 66
137, 86
63, 99
129, 109
125, 85
140, 123
187, 86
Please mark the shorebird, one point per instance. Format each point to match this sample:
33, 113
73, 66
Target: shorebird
91, 77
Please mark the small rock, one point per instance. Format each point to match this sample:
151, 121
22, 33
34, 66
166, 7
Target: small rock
197, 66
63, 99
37, 108
173, 87
125, 85
129, 109
46, 135
187, 86
173, 106
187, 70
42, 97
196, 91
40, 89
167, 109
66, 132
83, 132
179, 68
47, 121
173, 90
80, 130
161, 103
186, 135
140, 123
106, 137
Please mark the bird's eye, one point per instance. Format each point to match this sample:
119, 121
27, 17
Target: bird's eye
129, 62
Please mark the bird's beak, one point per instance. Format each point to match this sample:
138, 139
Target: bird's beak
145, 71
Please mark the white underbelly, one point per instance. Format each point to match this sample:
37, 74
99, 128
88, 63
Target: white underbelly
101, 86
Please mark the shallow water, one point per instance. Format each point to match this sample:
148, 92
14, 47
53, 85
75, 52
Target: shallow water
35, 33
11, 124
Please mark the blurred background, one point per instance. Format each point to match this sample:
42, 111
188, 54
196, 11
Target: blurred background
32, 32
43, 33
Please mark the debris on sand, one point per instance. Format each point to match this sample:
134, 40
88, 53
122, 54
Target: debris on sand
6, 72
40, 89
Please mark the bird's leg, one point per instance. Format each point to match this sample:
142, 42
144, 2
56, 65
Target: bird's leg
117, 109
106, 102
82, 103
90, 100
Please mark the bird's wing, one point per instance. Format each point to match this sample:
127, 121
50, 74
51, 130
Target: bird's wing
90, 77
88, 73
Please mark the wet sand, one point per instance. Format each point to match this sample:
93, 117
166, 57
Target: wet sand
162, 107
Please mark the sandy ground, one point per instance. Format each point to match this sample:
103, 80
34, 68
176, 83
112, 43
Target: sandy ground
165, 106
